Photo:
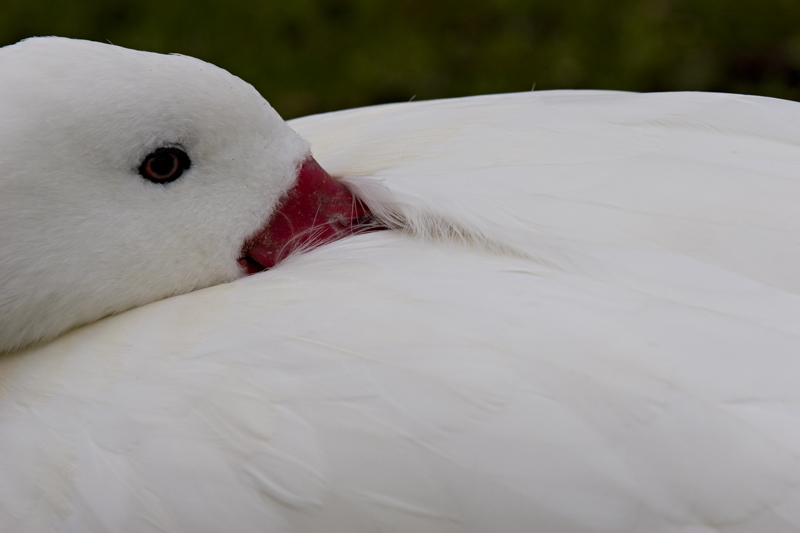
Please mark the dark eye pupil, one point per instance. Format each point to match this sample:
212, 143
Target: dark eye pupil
164, 165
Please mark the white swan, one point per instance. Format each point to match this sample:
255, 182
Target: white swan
591, 322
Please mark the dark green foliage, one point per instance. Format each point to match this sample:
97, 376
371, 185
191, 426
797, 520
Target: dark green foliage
308, 56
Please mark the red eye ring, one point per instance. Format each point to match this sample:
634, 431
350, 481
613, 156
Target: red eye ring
164, 165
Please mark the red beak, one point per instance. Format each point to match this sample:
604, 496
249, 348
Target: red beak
316, 211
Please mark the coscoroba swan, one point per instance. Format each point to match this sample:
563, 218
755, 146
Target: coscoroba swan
584, 315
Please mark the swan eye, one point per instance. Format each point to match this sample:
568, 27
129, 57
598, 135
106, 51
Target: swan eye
164, 165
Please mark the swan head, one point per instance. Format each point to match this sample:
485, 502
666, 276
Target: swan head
127, 177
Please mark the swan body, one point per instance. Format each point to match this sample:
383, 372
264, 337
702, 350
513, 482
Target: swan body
587, 319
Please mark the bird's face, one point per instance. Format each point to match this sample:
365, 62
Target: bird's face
126, 177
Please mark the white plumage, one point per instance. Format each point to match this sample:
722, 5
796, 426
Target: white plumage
591, 324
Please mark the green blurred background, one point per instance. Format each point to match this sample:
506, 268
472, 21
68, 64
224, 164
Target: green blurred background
310, 56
